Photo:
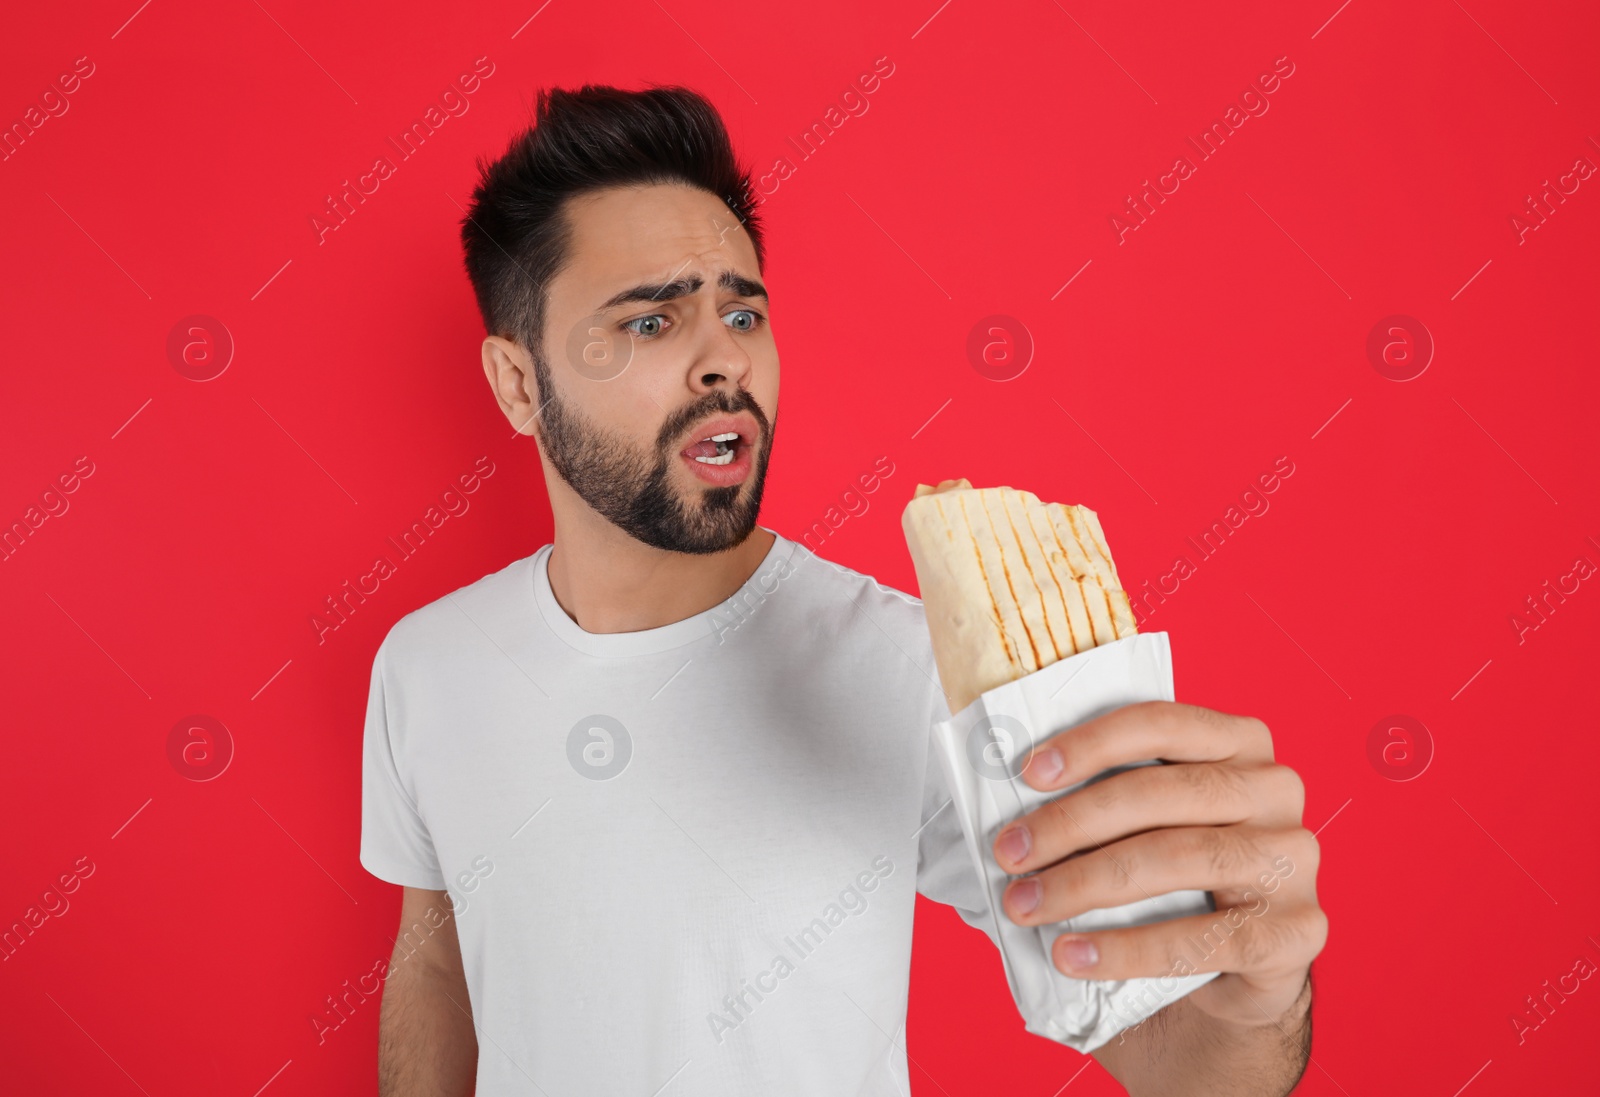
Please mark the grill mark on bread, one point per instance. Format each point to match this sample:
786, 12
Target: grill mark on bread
1094, 638
1006, 572
999, 500
1072, 632
1094, 569
1022, 501
1074, 521
1115, 591
995, 616
1040, 514
1124, 621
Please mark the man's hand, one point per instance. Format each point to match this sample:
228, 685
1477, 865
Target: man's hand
1225, 818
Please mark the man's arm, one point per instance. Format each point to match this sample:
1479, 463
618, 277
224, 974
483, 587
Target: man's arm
426, 1043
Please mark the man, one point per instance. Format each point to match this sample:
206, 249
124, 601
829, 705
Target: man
660, 794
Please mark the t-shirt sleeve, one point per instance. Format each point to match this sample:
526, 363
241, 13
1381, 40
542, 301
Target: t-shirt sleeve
395, 844
945, 872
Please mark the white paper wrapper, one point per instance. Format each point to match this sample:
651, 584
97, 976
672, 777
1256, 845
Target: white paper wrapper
981, 749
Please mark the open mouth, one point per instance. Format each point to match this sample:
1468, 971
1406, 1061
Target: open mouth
718, 449
724, 454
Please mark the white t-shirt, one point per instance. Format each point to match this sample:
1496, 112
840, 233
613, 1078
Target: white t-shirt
685, 859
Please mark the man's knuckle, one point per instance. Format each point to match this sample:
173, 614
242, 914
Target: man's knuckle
1301, 847
1233, 786
1255, 737
1193, 776
1102, 796
1223, 851
1292, 788
1314, 931
1285, 939
1219, 787
1120, 872
1312, 851
1261, 942
1180, 714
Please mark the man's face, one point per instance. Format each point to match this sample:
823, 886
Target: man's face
657, 337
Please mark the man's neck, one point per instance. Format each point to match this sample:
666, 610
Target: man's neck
607, 581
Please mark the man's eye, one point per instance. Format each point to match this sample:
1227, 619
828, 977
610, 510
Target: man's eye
645, 325
743, 319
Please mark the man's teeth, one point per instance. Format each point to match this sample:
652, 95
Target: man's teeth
725, 448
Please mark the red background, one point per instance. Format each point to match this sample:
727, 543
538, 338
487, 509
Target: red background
1228, 331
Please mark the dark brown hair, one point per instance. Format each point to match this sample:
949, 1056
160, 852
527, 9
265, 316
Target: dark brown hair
516, 236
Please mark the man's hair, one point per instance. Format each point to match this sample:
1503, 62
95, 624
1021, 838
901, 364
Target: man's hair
516, 235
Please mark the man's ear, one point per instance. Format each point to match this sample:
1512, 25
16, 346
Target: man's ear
509, 371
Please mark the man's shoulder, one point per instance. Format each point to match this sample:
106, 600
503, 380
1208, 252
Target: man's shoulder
475, 608
890, 609
870, 612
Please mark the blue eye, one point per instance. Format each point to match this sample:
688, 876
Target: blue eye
751, 319
653, 322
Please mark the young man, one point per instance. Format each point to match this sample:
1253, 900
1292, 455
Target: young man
660, 794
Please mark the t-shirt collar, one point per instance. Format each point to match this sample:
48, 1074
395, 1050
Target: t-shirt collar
700, 626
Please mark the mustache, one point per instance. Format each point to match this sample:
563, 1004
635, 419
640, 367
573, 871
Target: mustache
717, 400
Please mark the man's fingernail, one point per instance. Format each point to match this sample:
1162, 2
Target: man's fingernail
1078, 953
1014, 844
1047, 764
1025, 896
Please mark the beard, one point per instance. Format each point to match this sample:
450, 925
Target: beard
630, 485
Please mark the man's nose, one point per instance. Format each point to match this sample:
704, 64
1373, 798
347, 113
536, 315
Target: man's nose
718, 357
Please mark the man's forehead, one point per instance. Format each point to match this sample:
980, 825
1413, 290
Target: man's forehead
623, 236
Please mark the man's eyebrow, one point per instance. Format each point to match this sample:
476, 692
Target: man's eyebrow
742, 286
682, 287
